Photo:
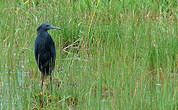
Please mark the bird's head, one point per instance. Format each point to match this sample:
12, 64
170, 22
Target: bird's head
45, 27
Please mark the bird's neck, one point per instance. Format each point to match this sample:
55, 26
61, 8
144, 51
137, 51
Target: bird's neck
43, 33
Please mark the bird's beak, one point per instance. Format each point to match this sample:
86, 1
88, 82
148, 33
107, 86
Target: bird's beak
52, 27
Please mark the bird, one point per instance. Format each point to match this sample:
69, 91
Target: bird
45, 52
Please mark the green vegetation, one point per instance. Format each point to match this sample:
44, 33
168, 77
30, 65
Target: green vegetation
111, 54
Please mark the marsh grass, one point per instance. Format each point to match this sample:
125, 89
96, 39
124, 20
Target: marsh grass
110, 55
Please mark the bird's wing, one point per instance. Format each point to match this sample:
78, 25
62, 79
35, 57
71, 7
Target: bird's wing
51, 48
41, 55
53, 51
52, 54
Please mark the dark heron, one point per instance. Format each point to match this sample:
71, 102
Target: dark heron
45, 52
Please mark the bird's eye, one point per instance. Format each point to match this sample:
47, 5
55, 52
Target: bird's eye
47, 25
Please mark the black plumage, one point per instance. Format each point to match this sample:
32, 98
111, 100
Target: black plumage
45, 51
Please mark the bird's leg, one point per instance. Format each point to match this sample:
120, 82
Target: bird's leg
42, 80
51, 83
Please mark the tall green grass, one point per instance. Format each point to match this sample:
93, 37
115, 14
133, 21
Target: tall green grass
111, 55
